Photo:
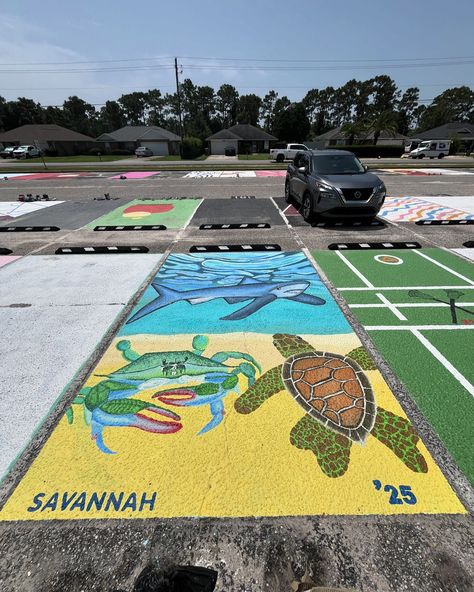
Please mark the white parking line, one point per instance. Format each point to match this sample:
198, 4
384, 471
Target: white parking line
410, 305
445, 267
354, 270
403, 288
418, 327
444, 361
391, 306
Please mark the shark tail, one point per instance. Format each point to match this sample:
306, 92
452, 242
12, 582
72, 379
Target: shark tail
165, 296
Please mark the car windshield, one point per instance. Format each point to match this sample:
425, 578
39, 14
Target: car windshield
337, 164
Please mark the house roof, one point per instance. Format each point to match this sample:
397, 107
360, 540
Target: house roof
463, 129
242, 131
28, 134
132, 133
337, 134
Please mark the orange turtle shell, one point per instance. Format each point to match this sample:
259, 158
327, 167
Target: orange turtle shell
334, 390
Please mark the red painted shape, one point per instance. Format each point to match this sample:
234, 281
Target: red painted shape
149, 209
291, 211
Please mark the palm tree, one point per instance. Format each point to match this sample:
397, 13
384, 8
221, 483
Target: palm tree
386, 121
352, 130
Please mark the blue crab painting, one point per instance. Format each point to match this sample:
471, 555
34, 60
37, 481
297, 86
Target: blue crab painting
109, 403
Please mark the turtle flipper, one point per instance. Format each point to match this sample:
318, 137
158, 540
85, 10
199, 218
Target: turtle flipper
332, 450
267, 385
398, 435
363, 358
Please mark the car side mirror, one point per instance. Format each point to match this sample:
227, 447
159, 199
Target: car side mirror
303, 170
366, 168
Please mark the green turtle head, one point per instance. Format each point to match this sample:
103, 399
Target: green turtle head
289, 345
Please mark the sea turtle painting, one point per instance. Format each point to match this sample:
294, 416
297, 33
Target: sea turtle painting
339, 405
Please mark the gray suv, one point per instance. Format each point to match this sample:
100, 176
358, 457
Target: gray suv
333, 184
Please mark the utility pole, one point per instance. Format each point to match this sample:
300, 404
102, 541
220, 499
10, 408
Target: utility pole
180, 115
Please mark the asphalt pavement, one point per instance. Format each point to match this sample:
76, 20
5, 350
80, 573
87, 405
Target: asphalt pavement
63, 315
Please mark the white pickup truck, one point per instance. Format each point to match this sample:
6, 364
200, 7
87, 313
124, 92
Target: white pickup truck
288, 153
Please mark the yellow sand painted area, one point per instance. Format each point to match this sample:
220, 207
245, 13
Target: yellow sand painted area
246, 466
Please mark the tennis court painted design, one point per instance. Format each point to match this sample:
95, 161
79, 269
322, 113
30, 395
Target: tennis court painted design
418, 306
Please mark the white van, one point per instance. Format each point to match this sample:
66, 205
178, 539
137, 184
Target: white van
431, 149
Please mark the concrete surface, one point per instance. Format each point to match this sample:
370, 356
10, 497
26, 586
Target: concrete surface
54, 311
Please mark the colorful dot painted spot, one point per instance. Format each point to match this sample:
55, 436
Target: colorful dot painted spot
140, 211
388, 259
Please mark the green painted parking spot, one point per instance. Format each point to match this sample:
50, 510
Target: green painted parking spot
456, 346
417, 268
440, 397
170, 213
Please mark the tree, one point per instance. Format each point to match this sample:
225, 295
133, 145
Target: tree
353, 130
344, 104
292, 124
154, 104
133, 106
248, 109
226, 103
267, 110
407, 107
319, 105
111, 117
385, 121
384, 95
79, 115
54, 115
454, 104
23, 111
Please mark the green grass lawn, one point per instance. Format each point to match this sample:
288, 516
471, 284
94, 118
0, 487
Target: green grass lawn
177, 157
88, 158
256, 156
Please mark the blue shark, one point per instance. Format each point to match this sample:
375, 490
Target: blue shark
260, 294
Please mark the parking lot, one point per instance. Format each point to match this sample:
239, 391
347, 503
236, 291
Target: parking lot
238, 475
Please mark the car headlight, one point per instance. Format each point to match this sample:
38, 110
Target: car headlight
327, 191
380, 189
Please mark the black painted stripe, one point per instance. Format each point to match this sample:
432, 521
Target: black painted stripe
469, 244
233, 248
242, 197
100, 250
29, 228
242, 226
367, 246
4, 251
443, 222
137, 227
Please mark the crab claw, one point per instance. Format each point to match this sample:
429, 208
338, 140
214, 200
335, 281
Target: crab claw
177, 397
102, 419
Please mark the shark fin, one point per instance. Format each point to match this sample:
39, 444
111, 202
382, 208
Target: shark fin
308, 299
254, 306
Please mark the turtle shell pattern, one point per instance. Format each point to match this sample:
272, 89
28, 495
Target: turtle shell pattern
334, 390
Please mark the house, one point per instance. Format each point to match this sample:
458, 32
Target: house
336, 137
49, 138
461, 130
160, 141
242, 138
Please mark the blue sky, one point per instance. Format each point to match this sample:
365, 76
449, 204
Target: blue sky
375, 30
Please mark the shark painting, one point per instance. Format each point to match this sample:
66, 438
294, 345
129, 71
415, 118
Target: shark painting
259, 293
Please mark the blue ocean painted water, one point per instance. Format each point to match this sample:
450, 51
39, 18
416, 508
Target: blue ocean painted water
198, 271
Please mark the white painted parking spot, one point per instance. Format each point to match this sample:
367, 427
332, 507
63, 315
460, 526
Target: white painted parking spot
53, 312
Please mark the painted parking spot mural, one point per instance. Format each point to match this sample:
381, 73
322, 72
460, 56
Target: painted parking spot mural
235, 388
418, 307
9, 210
411, 209
169, 213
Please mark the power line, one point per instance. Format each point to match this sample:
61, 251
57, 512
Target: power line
214, 59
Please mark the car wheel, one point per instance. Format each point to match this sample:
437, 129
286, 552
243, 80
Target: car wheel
441, 155
421, 156
288, 196
280, 158
307, 208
